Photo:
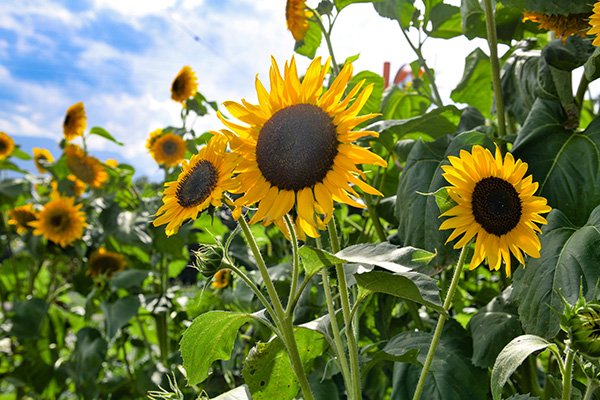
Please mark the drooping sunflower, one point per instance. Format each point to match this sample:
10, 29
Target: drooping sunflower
60, 221
185, 85
21, 216
222, 279
563, 25
296, 17
75, 121
7, 146
296, 146
86, 168
168, 149
495, 204
41, 154
595, 23
105, 263
201, 183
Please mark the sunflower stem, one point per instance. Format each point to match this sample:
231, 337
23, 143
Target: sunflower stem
327, 35
591, 389
567, 373
346, 312
581, 89
440, 324
375, 219
295, 264
282, 321
493, 44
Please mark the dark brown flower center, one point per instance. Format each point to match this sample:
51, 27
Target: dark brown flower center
496, 205
59, 221
178, 85
197, 185
169, 147
68, 120
296, 147
3, 146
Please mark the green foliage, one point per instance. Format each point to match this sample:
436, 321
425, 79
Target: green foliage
552, 6
311, 42
474, 88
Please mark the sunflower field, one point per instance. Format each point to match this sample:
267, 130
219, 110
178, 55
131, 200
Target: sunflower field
338, 236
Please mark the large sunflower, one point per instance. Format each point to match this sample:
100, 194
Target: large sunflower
86, 168
75, 121
202, 181
563, 25
7, 146
296, 146
60, 221
595, 23
104, 262
185, 85
41, 154
168, 149
495, 204
296, 17
21, 216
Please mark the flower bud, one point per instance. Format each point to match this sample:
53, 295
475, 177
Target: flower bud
209, 259
582, 322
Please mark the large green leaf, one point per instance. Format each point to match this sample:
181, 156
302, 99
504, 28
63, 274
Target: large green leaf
310, 43
373, 104
570, 257
27, 318
313, 260
566, 165
386, 255
508, 21
474, 88
96, 130
553, 6
569, 54
445, 20
399, 10
339, 4
210, 337
511, 357
267, 369
87, 359
119, 312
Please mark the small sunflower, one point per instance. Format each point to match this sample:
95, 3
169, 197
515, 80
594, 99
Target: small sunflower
7, 146
296, 146
496, 204
105, 263
75, 121
296, 16
168, 149
595, 23
21, 216
222, 279
201, 183
41, 154
185, 85
86, 168
60, 221
563, 25
111, 163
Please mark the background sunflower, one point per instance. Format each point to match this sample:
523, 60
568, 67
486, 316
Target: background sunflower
21, 216
168, 149
86, 168
60, 221
41, 154
75, 121
7, 146
185, 85
104, 262
296, 17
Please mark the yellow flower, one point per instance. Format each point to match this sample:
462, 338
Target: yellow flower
563, 25
60, 221
104, 262
41, 154
7, 146
296, 16
296, 146
85, 167
496, 204
168, 149
222, 279
111, 162
201, 183
75, 121
21, 216
185, 85
595, 23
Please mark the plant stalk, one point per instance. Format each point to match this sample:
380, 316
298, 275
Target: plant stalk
567, 373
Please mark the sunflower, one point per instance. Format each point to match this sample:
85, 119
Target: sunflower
86, 168
595, 23
168, 149
563, 25
21, 216
60, 221
201, 183
296, 16
104, 262
296, 146
185, 85
75, 121
7, 146
222, 279
496, 204
41, 154
111, 163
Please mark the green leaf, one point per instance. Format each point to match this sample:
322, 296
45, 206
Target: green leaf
567, 165
10, 166
473, 18
399, 10
311, 42
511, 357
386, 255
314, 260
522, 397
210, 337
239, 393
400, 104
568, 55
553, 7
474, 88
592, 66
508, 21
340, 4
90, 350
96, 130
446, 21
27, 318
267, 369
443, 200
20, 154
569, 258
118, 313
128, 278
373, 104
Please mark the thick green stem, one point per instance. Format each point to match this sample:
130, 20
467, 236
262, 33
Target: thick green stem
283, 322
567, 375
327, 35
355, 389
581, 89
162, 326
440, 324
295, 265
493, 43
591, 389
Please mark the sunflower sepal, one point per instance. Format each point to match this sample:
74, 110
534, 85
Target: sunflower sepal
581, 321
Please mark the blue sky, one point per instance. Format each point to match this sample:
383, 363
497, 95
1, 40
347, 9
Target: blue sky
120, 56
